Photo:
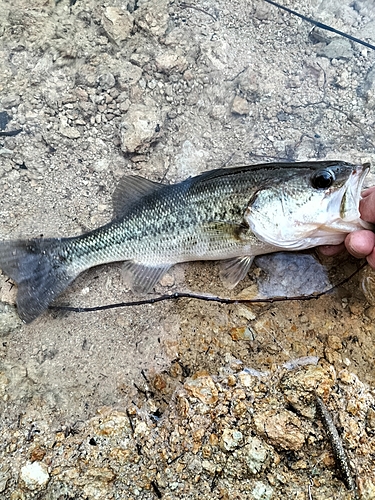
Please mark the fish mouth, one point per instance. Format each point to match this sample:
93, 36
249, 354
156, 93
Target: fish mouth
349, 206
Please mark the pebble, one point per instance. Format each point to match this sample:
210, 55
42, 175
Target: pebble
101, 165
338, 48
262, 491
129, 74
231, 439
34, 475
203, 388
242, 333
9, 319
10, 100
117, 24
240, 106
167, 280
281, 429
68, 131
257, 455
153, 17
106, 81
334, 342
141, 126
245, 312
171, 61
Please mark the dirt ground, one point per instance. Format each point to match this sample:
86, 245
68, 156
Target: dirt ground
180, 399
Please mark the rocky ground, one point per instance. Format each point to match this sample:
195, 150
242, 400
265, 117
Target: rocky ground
180, 400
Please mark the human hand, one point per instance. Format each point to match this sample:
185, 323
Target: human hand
359, 243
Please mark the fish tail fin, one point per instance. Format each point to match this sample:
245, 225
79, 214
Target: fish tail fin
39, 270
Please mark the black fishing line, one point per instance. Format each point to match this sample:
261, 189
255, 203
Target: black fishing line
207, 298
321, 25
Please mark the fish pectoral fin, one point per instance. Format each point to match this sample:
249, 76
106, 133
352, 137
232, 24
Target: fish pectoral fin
234, 270
130, 190
143, 277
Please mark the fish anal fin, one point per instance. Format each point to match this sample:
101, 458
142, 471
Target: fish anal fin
143, 277
232, 271
130, 190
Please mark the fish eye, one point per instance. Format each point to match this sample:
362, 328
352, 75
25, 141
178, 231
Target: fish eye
323, 179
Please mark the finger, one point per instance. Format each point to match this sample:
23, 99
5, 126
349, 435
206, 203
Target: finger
330, 250
371, 259
367, 207
360, 243
367, 192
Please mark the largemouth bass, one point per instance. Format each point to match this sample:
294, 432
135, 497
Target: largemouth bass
229, 214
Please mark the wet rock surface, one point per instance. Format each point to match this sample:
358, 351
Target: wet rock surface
178, 400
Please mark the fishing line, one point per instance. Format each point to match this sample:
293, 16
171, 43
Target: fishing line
207, 298
321, 25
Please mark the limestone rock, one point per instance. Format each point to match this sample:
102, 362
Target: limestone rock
68, 131
171, 61
9, 319
339, 48
129, 75
203, 388
240, 106
35, 475
153, 17
231, 439
117, 24
282, 429
140, 128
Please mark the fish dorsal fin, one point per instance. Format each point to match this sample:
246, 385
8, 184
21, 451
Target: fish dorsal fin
130, 190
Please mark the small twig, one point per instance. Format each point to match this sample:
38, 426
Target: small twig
155, 487
137, 445
339, 453
185, 5
207, 298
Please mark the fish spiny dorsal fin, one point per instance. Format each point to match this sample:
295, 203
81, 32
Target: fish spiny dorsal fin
130, 190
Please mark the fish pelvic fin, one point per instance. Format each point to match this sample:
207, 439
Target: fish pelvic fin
143, 277
232, 271
38, 270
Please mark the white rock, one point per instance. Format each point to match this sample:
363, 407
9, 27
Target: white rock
231, 439
117, 23
240, 106
140, 128
67, 130
129, 74
153, 16
35, 475
171, 61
